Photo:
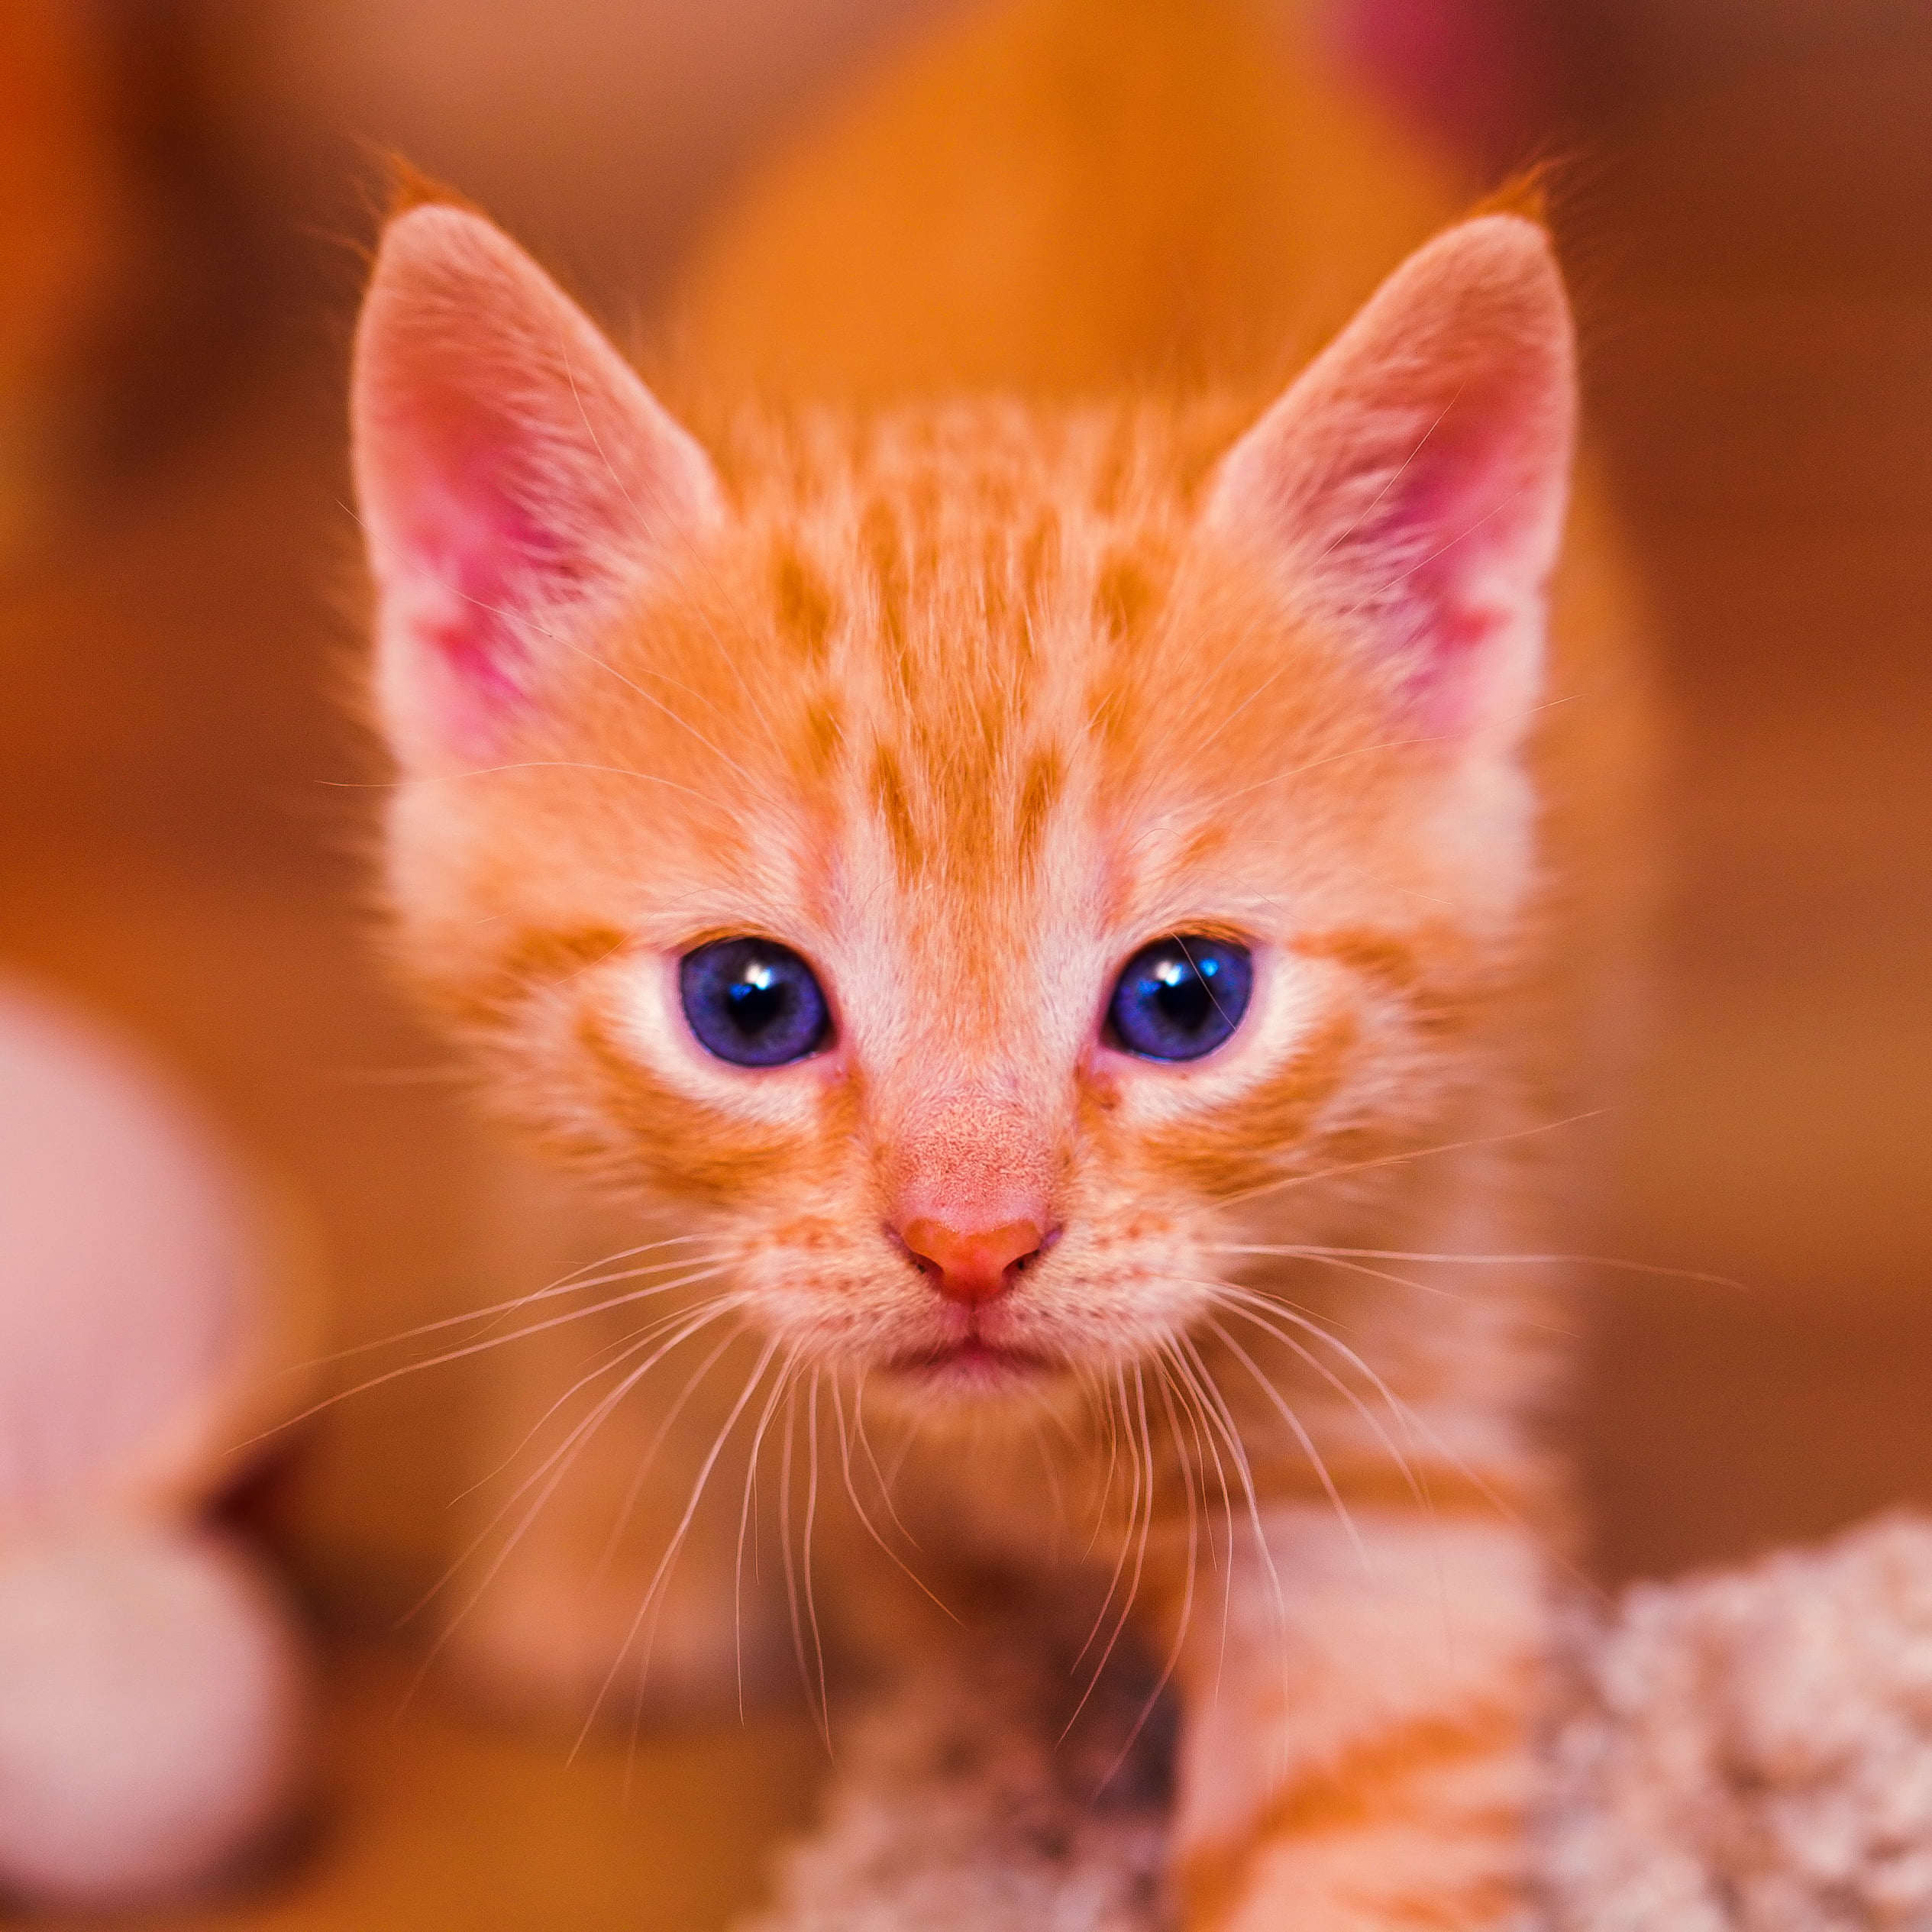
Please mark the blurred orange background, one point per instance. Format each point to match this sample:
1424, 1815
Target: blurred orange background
1745, 202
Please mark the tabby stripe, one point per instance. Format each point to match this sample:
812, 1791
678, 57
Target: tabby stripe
1370, 1787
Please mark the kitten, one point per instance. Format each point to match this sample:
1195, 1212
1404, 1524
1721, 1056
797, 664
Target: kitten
1074, 886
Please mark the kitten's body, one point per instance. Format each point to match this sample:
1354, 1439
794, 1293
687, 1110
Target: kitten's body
971, 666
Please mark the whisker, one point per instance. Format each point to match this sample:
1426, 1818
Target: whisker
1126, 1540
1187, 1608
1200, 1378
1299, 1430
1202, 1424
667, 1423
475, 1348
619, 1352
564, 1284
1215, 1405
639, 1692
908, 1440
821, 1718
746, 1514
1244, 1303
1337, 1258
1520, 1260
1113, 1463
1140, 1563
852, 1490
811, 1517
1205, 1445
878, 1474
1286, 1181
1404, 1414
1167, 1359
556, 1467
691, 1323
1051, 1470
653, 1590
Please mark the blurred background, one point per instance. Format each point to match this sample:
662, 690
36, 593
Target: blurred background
186, 190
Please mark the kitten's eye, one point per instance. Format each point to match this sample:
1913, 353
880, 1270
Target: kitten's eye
1181, 998
753, 1001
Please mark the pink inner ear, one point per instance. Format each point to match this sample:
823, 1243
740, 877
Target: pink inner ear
481, 570
485, 533
511, 471
1411, 486
1439, 560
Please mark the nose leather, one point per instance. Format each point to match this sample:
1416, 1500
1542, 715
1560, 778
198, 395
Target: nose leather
972, 1264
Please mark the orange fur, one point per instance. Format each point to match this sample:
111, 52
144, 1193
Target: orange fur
995, 624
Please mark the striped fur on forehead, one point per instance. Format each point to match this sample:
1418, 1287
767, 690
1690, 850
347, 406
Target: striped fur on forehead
950, 596
979, 611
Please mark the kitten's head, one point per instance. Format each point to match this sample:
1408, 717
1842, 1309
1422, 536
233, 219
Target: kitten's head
960, 856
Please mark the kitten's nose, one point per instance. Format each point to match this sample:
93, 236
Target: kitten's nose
972, 1264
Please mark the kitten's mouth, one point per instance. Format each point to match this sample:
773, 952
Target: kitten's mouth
973, 1364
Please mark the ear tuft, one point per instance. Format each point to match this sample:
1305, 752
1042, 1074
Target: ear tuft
1409, 490
515, 478
1525, 194
410, 188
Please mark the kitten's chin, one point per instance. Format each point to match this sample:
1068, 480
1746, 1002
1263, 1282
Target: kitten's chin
972, 1369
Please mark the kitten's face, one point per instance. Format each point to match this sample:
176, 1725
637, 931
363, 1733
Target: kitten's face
970, 861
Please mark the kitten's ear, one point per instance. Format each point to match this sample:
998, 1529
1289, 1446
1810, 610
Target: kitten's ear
1411, 485
514, 476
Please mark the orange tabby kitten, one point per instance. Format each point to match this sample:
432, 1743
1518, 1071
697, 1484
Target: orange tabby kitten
1073, 882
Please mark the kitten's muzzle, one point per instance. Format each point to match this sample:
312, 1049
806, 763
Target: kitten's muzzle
974, 1265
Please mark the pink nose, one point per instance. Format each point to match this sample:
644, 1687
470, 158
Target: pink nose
972, 1264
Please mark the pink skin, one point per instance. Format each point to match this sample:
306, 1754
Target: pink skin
484, 564
1454, 506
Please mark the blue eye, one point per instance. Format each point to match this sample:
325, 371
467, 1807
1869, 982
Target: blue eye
753, 1001
1181, 998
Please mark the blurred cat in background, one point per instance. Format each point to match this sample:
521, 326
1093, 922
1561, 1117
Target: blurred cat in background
1066, 863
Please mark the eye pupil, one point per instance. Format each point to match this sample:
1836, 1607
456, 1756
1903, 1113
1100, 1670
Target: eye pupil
753, 1001
755, 1007
1185, 1002
1181, 998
